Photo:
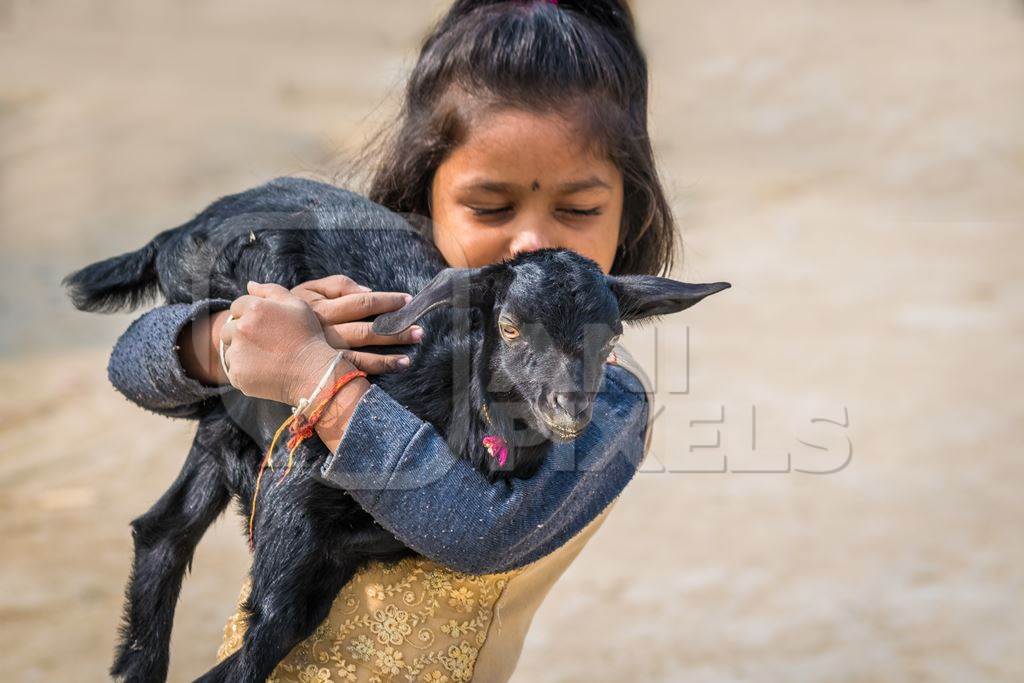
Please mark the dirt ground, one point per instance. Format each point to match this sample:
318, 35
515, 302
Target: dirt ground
855, 169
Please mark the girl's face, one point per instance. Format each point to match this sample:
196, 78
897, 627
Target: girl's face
521, 182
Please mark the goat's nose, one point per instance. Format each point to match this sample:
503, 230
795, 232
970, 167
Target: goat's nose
572, 403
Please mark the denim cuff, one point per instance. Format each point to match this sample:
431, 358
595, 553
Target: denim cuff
144, 365
372, 448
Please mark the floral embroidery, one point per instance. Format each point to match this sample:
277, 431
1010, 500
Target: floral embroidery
389, 660
461, 599
361, 648
391, 625
312, 674
456, 629
405, 622
460, 660
437, 581
345, 671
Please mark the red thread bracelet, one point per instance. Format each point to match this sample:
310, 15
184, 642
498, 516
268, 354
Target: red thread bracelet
301, 428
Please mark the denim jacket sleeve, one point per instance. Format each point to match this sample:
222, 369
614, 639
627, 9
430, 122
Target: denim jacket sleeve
401, 470
145, 368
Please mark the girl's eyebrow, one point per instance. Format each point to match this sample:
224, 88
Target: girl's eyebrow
491, 186
565, 188
580, 185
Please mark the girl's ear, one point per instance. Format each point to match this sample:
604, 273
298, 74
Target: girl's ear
449, 286
643, 296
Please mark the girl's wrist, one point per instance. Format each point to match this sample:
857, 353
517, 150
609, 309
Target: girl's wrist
331, 426
311, 364
198, 349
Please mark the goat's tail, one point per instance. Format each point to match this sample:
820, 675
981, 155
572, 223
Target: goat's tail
119, 283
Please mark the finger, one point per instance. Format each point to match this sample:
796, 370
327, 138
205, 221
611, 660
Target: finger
268, 290
227, 331
242, 304
358, 306
375, 363
332, 286
353, 335
229, 360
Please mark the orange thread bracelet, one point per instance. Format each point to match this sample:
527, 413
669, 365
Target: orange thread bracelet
301, 428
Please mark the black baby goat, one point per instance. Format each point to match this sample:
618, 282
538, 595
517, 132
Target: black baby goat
309, 539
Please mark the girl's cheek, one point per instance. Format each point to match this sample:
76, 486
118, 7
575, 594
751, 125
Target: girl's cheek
467, 245
599, 243
602, 252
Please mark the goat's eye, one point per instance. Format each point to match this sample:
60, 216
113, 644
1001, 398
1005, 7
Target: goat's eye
508, 330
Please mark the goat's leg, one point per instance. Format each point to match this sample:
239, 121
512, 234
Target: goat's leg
291, 595
165, 538
279, 619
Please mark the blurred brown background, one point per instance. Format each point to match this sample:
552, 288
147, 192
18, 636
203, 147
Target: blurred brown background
856, 169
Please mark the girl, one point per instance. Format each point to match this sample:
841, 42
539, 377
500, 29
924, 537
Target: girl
524, 126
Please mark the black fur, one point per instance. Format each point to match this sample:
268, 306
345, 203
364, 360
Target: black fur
310, 538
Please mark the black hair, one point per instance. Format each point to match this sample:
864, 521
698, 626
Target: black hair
580, 58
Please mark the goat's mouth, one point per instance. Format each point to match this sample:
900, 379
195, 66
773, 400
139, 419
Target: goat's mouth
560, 429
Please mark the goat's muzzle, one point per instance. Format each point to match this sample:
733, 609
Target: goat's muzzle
565, 414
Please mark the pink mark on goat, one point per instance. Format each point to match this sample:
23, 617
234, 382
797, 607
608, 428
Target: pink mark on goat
497, 448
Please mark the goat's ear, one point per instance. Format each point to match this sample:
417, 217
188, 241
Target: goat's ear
643, 296
449, 285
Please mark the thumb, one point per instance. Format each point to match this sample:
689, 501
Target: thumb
268, 290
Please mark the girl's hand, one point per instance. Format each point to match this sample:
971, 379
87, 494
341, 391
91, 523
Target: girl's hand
280, 342
274, 346
340, 304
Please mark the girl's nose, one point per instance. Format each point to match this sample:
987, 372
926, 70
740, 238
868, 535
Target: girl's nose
531, 239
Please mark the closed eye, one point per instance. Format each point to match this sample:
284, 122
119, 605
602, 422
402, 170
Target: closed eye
486, 211
596, 211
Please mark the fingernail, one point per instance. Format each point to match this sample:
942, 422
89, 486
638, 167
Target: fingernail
416, 333
403, 362
407, 297
364, 288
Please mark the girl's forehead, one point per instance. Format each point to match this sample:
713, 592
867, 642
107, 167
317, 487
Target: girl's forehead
529, 149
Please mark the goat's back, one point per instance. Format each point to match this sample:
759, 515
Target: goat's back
289, 231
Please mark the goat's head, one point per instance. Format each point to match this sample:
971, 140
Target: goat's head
550, 318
